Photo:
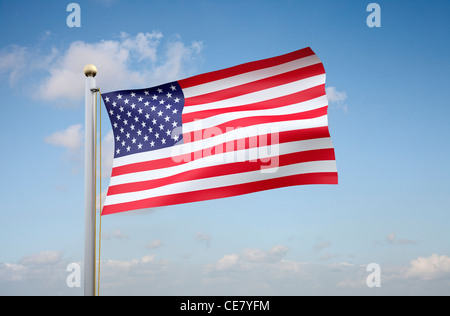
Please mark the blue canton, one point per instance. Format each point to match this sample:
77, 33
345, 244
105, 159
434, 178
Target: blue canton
145, 119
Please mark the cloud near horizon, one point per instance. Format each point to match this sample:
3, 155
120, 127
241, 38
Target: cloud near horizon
249, 272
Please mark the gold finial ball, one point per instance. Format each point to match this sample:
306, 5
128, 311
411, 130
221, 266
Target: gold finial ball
90, 70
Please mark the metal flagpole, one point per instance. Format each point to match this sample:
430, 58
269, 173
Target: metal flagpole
89, 181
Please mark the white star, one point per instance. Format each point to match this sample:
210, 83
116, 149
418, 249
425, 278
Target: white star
107, 99
143, 124
168, 106
128, 135
174, 124
150, 130
121, 109
118, 151
111, 112
132, 127
167, 118
133, 140
161, 102
136, 119
146, 92
125, 122
133, 106
129, 114
163, 140
147, 116
160, 113
175, 138
145, 138
146, 103
175, 111
140, 111
169, 95
173, 88
160, 90
154, 121
161, 127
153, 108
128, 148
139, 132
157, 135
133, 94
126, 101
139, 146
140, 99
117, 138
177, 100
123, 143
155, 97
168, 132
152, 143
119, 96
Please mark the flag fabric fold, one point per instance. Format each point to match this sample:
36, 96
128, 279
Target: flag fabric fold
249, 128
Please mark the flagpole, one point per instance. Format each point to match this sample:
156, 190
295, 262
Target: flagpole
89, 181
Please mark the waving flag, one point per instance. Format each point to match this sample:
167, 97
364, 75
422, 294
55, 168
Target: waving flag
253, 127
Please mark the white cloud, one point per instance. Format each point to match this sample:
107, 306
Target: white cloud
337, 98
392, 239
249, 258
37, 274
154, 244
127, 62
334, 95
227, 262
43, 258
143, 45
12, 62
429, 268
275, 254
71, 138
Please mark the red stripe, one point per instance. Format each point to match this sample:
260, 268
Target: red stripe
227, 191
284, 137
249, 121
294, 98
266, 83
243, 68
227, 169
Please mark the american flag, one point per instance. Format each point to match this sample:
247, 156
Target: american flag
253, 127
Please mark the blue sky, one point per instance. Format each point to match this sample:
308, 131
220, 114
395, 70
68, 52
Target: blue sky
388, 118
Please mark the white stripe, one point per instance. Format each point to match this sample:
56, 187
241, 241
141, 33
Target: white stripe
219, 119
221, 181
225, 158
234, 134
259, 96
250, 76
